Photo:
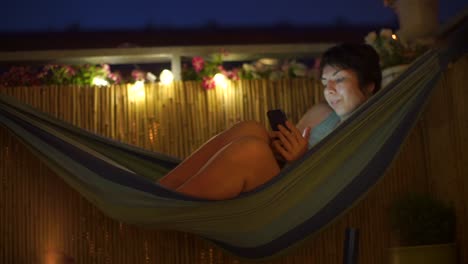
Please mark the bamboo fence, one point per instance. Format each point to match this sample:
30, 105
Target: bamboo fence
43, 220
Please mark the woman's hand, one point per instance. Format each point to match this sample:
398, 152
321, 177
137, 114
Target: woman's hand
290, 142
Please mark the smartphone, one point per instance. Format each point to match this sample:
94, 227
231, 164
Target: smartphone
276, 117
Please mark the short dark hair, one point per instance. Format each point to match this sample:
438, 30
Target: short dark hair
361, 58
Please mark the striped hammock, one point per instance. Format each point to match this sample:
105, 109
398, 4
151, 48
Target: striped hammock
120, 179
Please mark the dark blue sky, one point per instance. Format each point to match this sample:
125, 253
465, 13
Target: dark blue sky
58, 15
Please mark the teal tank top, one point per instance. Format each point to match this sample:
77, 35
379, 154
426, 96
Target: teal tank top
323, 129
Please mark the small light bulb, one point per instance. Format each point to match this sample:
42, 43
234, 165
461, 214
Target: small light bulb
99, 81
394, 36
137, 91
166, 77
150, 77
220, 80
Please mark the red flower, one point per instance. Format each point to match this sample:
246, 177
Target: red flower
138, 75
233, 75
222, 70
198, 63
115, 77
208, 83
106, 68
70, 71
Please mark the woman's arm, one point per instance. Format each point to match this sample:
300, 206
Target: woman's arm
314, 116
291, 142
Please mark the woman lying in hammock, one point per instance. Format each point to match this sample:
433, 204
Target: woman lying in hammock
246, 156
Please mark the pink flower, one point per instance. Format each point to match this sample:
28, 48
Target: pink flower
198, 63
19, 76
138, 75
41, 74
115, 77
233, 75
222, 70
105, 68
208, 83
69, 70
50, 67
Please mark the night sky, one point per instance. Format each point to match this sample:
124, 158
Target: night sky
59, 15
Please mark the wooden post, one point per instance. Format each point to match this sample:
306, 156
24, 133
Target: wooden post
176, 67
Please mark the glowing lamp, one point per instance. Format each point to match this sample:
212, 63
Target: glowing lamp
220, 80
394, 36
166, 77
137, 91
99, 81
150, 77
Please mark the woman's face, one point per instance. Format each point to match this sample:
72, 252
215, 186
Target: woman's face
342, 91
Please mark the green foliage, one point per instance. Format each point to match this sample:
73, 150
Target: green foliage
422, 220
202, 69
273, 69
266, 68
66, 74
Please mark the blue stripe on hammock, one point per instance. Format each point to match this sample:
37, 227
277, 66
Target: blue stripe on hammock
98, 166
164, 160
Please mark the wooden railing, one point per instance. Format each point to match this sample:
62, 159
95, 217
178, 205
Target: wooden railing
173, 119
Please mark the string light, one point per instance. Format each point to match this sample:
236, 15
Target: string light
220, 80
137, 91
99, 81
166, 77
150, 77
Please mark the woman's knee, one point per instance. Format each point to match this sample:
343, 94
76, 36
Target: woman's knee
252, 129
243, 164
251, 149
257, 158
